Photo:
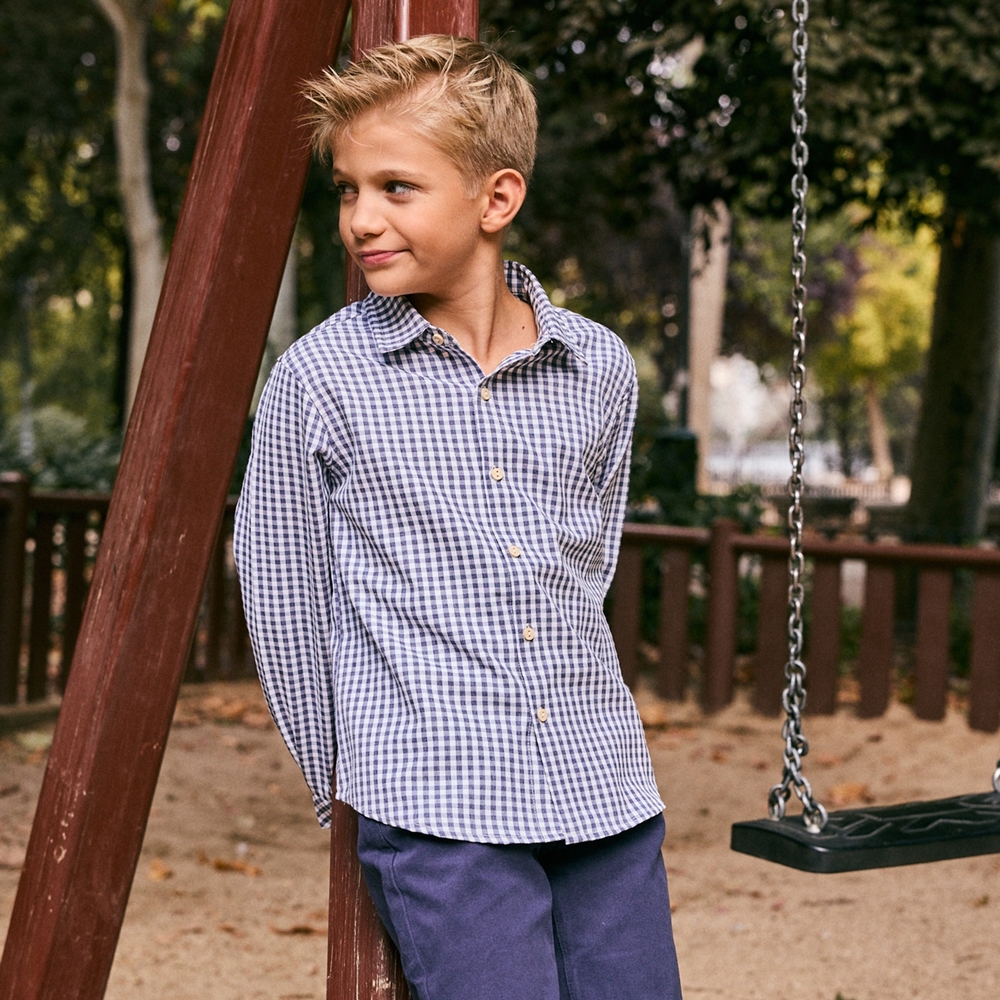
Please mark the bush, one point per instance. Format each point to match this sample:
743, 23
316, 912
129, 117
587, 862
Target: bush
65, 453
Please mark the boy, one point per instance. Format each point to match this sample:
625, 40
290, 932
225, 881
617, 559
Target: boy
428, 527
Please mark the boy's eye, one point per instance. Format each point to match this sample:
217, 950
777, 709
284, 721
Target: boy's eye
398, 187
344, 189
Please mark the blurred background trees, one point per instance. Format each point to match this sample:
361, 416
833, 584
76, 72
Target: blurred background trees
648, 110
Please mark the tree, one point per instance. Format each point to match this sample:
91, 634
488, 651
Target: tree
60, 267
880, 344
600, 226
66, 266
905, 119
148, 258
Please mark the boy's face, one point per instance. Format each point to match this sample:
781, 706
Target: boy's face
406, 215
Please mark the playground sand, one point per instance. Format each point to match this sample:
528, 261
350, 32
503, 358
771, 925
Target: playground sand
229, 899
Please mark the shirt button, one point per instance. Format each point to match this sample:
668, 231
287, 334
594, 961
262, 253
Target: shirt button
528, 632
484, 393
438, 339
497, 473
514, 551
542, 715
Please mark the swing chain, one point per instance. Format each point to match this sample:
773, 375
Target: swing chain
794, 698
996, 779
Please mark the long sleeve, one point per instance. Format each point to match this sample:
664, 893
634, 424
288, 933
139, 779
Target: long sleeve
283, 555
614, 485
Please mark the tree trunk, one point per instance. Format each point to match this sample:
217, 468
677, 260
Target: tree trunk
956, 433
710, 232
142, 224
878, 433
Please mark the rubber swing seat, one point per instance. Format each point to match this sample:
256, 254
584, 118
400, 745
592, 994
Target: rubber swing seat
910, 833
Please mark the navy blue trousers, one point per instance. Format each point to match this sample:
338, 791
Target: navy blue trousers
556, 921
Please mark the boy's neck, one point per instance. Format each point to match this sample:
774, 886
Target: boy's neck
489, 322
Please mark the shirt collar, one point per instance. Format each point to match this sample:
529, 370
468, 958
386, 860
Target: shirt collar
395, 323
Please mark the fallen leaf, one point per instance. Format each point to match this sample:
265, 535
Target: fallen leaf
159, 870
828, 759
231, 711
652, 712
981, 901
229, 928
720, 756
303, 929
224, 865
9, 790
849, 792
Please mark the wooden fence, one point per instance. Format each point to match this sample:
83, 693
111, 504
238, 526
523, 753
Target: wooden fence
723, 549
48, 541
48, 544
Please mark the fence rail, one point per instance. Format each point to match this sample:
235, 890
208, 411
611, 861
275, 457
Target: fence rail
48, 544
49, 540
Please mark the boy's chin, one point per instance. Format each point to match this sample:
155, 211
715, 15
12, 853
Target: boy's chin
391, 286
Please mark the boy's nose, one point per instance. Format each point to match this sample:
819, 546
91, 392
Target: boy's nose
365, 220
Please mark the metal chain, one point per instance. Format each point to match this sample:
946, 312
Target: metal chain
794, 698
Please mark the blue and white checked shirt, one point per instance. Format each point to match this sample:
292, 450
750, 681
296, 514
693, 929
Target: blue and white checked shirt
424, 553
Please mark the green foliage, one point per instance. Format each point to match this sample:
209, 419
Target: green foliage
909, 117
63, 256
600, 226
66, 453
885, 336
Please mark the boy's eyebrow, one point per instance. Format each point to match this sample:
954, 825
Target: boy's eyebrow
389, 174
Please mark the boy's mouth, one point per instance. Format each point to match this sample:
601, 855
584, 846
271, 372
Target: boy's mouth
373, 258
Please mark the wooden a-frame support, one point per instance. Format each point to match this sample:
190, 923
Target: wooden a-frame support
218, 295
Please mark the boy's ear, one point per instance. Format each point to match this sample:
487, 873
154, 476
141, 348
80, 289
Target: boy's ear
504, 191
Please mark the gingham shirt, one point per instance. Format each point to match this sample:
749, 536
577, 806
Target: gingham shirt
424, 551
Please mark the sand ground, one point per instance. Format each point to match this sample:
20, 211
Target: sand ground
229, 898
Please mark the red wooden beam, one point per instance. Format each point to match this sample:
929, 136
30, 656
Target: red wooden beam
219, 292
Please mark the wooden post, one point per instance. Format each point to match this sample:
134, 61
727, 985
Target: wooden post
675, 581
720, 617
877, 639
772, 635
362, 962
40, 629
823, 659
13, 530
984, 679
74, 568
931, 652
220, 287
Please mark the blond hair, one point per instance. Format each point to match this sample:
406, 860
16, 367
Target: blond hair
461, 95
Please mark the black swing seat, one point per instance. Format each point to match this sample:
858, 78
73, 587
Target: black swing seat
881, 837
